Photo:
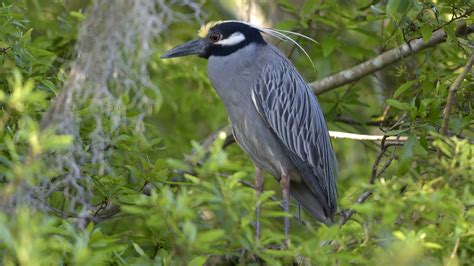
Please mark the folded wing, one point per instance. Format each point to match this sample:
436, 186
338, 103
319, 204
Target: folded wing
291, 110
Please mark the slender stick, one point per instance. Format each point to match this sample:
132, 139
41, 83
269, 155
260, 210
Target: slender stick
346, 135
455, 249
452, 93
347, 214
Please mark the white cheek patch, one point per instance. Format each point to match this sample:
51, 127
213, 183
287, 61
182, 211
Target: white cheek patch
233, 39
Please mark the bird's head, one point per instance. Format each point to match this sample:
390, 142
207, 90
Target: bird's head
219, 39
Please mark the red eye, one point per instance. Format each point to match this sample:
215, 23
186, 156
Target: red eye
215, 36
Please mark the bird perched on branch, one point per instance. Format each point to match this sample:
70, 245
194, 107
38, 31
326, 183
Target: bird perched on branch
275, 117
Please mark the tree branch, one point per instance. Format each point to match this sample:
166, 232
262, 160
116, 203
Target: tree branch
387, 139
452, 93
229, 139
385, 59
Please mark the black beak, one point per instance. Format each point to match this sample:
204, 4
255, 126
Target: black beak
193, 47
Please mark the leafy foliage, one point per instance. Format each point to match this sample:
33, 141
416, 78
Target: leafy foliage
163, 198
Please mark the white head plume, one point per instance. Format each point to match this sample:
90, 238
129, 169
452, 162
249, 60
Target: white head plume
280, 34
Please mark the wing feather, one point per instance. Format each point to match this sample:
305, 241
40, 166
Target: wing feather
291, 110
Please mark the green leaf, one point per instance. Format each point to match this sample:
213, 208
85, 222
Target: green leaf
426, 32
138, 249
287, 6
328, 45
405, 86
211, 235
50, 85
406, 156
57, 142
395, 132
400, 235
198, 261
419, 149
451, 32
432, 245
286, 24
398, 104
26, 37
309, 7
80, 16
397, 8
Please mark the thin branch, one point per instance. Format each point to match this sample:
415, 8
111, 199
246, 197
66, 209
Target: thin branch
386, 165
103, 211
229, 138
347, 214
375, 167
455, 249
345, 135
383, 60
452, 93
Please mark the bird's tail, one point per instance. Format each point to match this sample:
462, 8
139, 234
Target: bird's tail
309, 201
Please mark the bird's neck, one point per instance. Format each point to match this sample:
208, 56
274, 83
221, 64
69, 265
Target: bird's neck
233, 75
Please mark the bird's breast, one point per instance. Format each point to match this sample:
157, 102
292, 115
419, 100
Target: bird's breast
234, 77
260, 144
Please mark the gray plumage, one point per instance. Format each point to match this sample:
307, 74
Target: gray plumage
275, 116
278, 122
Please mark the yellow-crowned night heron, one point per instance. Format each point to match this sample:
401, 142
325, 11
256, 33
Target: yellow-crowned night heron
275, 117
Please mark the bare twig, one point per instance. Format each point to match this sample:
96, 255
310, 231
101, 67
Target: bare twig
375, 169
455, 249
452, 93
229, 139
347, 214
386, 165
383, 148
387, 139
385, 59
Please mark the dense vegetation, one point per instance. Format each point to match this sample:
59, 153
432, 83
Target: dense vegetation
103, 158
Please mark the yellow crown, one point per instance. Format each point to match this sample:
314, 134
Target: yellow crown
204, 30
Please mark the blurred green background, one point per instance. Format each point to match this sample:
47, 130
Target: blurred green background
157, 196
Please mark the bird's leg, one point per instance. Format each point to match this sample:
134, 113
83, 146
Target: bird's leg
285, 187
259, 190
